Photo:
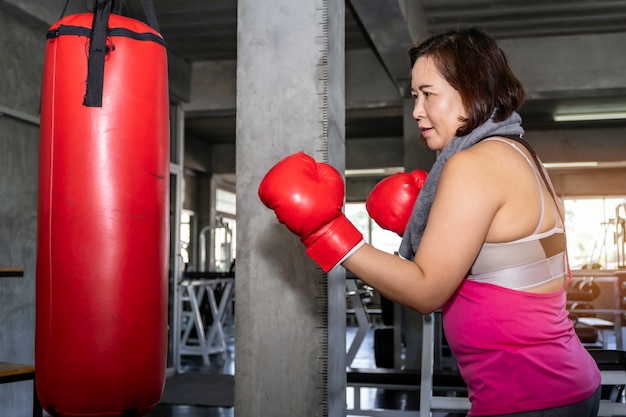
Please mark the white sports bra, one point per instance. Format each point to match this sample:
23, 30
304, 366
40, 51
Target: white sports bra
528, 262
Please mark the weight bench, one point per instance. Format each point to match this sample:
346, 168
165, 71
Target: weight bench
612, 364
438, 389
196, 288
15, 372
448, 383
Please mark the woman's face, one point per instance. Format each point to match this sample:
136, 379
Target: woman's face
438, 106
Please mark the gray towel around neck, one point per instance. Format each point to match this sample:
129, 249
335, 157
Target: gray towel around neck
417, 222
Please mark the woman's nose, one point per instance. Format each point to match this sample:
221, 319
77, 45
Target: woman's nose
418, 110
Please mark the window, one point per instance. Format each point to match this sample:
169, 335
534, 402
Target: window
225, 202
594, 232
594, 227
224, 232
376, 236
185, 234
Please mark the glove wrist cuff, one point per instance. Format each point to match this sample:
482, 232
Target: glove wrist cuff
332, 242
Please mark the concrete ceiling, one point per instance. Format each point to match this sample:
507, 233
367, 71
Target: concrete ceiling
200, 31
569, 55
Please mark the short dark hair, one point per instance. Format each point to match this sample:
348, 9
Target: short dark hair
473, 64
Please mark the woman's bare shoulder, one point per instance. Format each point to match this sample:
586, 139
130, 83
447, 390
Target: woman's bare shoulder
491, 169
488, 157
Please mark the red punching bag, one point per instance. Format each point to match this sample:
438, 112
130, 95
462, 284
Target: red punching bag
102, 241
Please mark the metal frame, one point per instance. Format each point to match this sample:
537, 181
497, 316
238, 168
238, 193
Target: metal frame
362, 319
209, 338
177, 136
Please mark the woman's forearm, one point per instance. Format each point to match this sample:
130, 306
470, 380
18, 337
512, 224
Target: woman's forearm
397, 279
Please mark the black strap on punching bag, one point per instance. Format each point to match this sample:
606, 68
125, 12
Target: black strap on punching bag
97, 51
97, 45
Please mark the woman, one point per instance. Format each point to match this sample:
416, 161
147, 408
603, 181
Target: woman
485, 241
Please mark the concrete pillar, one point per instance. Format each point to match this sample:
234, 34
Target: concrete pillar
290, 318
416, 155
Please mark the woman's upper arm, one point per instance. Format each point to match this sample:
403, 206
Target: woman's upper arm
465, 204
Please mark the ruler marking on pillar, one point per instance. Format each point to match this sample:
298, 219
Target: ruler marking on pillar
322, 154
322, 139
323, 341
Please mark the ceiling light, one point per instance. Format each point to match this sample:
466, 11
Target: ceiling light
580, 117
373, 172
557, 165
590, 164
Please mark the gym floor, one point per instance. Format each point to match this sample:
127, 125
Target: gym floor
225, 364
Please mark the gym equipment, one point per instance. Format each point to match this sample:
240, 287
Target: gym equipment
595, 302
200, 335
583, 290
102, 244
218, 247
620, 235
362, 317
616, 227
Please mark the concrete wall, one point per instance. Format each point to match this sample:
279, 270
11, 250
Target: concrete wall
20, 79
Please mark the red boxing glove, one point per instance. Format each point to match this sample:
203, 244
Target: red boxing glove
307, 197
391, 201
